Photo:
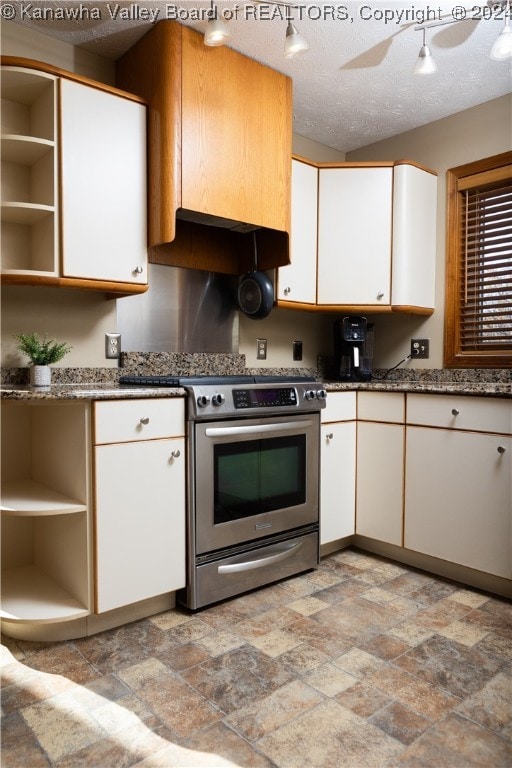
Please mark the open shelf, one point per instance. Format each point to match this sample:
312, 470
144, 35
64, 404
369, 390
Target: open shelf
24, 150
27, 497
25, 213
28, 594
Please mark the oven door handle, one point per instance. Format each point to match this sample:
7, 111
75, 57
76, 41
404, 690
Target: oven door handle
261, 562
255, 429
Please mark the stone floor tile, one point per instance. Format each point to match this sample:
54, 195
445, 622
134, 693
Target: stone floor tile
463, 633
264, 622
456, 743
491, 706
238, 677
217, 643
386, 647
411, 633
358, 662
306, 606
400, 722
64, 660
62, 726
258, 719
303, 658
20, 747
329, 680
178, 657
329, 735
276, 643
321, 637
440, 614
219, 743
172, 700
422, 697
358, 618
497, 646
363, 699
469, 597
453, 667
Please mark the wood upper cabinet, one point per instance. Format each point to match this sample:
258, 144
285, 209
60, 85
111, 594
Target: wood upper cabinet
73, 181
373, 247
220, 127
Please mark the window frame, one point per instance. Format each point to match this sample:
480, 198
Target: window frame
454, 356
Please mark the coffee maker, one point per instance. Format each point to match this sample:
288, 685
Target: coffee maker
353, 349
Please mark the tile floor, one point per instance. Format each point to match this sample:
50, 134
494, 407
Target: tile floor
362, 662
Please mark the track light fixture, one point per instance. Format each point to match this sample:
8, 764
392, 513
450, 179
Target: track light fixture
425, 63
294, 42
502, 48
217, 32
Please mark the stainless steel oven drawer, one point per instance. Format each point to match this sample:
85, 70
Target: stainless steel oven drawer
255, 567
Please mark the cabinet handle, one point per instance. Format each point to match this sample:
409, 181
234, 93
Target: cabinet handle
501, 449
138, 270
380, 295
329, 436
176, 454
455, 411
287, 290
144, 420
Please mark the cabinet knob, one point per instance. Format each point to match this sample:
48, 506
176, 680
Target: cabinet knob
138, 270
380, 295
176, 454
144, 420
501, 449
455, 411
287, 290
329, 436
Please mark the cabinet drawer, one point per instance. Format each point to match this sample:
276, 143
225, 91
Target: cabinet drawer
340, 406
381, 406
127, 420
479, 414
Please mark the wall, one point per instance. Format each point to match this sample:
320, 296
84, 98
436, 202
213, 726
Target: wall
82, 319
473, 134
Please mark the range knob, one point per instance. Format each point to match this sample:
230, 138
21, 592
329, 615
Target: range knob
218, 399
203, 401
321, 394
310, 394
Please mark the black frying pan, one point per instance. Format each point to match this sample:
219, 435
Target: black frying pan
255, 291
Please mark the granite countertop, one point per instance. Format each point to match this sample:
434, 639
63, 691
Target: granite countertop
102, 383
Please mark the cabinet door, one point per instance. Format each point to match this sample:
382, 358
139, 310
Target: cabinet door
236, 135
458, 498
103, 197
140, 521
354, 236
338, 470
380, 461
297, 281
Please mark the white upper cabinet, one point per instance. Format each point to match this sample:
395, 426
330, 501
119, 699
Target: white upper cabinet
297, 281
354, 235
103, 172
74, 202
375, 231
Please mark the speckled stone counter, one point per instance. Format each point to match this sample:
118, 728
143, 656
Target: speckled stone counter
102, 383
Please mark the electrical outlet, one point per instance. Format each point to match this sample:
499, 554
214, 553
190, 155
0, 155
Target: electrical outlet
420, 348
297, 350
112, 346
261, 349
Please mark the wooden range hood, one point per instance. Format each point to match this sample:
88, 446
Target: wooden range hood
219, 143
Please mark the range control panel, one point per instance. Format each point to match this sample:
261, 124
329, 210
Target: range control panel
264, 398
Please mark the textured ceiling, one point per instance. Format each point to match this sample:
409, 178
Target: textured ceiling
354, 85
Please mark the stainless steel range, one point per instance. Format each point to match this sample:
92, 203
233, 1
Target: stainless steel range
253, 483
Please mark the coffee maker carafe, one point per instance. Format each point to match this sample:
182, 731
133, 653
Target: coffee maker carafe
353, 349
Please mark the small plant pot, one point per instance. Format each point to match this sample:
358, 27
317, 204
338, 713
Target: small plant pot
40, 375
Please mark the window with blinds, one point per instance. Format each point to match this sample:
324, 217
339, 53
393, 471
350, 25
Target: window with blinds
478, 329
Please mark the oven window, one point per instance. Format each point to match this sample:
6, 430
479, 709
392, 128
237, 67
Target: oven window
257, 476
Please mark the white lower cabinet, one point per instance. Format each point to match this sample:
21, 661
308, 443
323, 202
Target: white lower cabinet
338, 467
458, 498
380, 466
458, 484
139, 500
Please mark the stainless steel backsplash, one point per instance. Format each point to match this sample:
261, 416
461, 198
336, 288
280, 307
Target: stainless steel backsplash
184, 310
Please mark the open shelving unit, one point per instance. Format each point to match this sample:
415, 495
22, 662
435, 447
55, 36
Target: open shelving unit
29, 172
45, 513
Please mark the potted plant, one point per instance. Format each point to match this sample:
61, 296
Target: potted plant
42, 352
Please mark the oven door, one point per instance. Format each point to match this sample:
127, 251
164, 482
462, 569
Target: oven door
253, 478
